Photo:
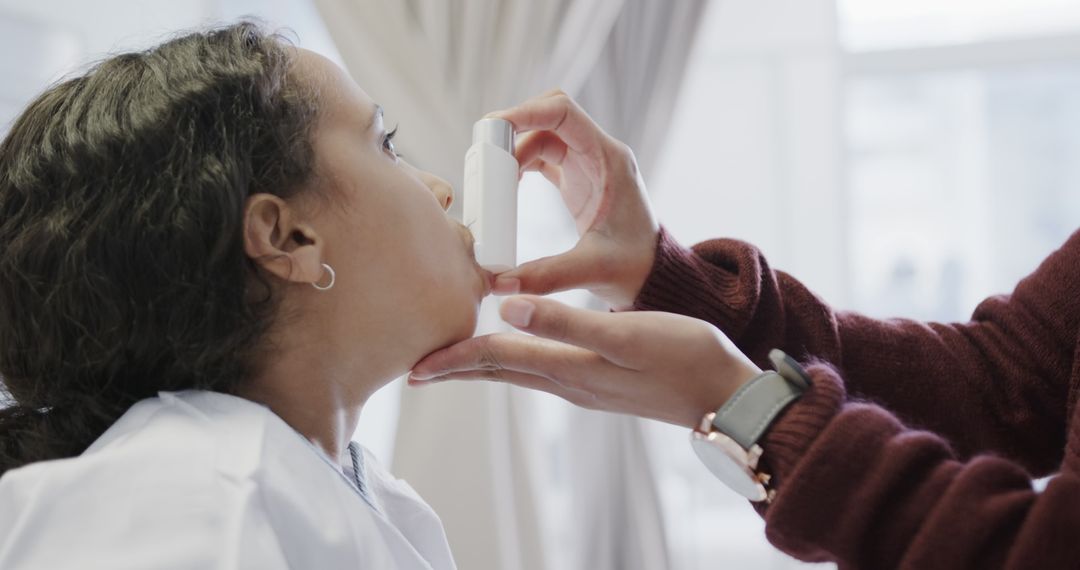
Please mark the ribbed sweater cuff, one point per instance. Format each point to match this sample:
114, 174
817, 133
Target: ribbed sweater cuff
796, 429
683, 282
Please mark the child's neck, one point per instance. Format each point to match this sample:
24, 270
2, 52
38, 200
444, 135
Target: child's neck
321, 402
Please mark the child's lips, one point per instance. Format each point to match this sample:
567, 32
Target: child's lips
469, 239
486, 277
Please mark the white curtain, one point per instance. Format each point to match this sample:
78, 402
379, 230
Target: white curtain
631, 93
437, 66
631, 90
442, 64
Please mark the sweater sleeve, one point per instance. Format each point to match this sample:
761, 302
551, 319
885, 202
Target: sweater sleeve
858, 487
996, 383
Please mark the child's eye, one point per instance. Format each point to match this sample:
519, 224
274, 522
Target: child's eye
388, 142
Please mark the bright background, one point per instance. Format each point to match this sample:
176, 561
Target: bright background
901, 158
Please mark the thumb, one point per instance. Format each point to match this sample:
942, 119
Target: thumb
570, 270
593, 330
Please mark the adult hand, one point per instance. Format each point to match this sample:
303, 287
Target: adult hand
600, 184
655, 365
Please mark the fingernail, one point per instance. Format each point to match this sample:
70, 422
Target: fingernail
506, 286
420, 377
517, 312
417, 382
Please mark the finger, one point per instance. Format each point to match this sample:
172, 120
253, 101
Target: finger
599, 332
508, 351
522, 379
559, 114
540, 145
552, 173
555, 91
572, 269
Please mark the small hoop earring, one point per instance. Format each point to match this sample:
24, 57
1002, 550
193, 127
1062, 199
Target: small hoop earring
333, 278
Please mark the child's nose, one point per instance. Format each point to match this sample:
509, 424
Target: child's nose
441, 188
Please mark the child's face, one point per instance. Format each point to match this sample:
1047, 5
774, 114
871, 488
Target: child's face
405, 269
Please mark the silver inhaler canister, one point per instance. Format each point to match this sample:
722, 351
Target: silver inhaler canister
490, 207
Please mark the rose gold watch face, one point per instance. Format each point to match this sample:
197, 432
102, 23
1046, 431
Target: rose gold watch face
728, 461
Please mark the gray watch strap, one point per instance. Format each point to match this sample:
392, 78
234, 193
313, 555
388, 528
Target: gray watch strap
750, 411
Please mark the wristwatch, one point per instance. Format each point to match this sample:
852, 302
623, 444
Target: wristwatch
726, 440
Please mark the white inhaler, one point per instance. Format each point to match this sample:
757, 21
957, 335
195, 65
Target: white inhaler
490, 207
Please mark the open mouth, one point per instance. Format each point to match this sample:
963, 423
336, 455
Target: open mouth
470, 246
469, 239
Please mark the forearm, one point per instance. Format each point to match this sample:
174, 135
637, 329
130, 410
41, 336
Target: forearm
730, 284
856, 486
1009, 398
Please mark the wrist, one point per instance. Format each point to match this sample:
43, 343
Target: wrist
744, 373
718, 390
631, 267
727, 440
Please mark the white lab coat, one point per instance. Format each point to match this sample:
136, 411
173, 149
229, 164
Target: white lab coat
200, 479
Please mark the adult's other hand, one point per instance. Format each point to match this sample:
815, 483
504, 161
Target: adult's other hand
650, 364
601, 187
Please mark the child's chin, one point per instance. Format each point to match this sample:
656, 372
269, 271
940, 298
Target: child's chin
469, 327
465, 326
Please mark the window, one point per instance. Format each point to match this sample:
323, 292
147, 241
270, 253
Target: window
886, 24
960, 158
932, 143
961, 182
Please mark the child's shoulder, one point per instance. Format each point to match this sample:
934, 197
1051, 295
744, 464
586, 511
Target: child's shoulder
155, 477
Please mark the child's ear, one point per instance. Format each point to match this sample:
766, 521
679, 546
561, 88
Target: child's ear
279, 242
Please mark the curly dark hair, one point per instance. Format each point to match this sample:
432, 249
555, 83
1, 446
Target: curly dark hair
122, 268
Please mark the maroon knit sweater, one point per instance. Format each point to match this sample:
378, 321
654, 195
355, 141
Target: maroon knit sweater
916, 446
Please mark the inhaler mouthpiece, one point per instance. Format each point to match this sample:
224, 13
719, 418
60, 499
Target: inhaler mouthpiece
490, 206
